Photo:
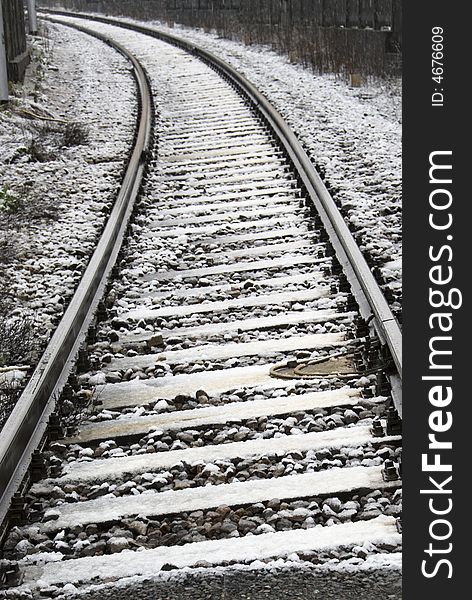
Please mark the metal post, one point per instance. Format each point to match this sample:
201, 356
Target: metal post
3, 61
397, 25
32, 19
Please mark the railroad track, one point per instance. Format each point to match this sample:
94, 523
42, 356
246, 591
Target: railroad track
237, 396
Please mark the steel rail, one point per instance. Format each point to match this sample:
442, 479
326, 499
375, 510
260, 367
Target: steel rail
27, 424
369, 296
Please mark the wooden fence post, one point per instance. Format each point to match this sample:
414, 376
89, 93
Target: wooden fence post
32, 19
15, 38
3, 61
352, 13
396, 39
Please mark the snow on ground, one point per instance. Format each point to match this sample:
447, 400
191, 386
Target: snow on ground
100, 470
54, 191
269, 574
249, 548
109, 508
352, 134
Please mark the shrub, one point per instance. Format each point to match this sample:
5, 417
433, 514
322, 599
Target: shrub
10, 203
75, 134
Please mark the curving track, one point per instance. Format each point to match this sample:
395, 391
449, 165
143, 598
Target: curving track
240, 407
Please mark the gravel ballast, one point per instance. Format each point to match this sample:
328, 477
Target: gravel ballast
63, 155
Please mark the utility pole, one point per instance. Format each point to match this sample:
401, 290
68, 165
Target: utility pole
33, 21
3, 61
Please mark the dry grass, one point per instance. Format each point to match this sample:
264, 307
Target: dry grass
45, 140
17, 334
290, 27
18, 346
75, 134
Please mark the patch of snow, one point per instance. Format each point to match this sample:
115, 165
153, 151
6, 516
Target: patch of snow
152, 504
247, 549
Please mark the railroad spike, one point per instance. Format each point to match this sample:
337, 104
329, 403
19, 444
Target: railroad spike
377, 428
10, 573
38, 467
394, 423
83, 362
17, 511
389, 471
382, 386
55, 431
